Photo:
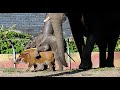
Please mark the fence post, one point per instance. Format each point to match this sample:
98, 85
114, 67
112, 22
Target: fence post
68, 51
14, 54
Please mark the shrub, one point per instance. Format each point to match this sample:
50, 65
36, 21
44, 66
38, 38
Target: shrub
8, 35
20, 39
72, 45
73, 48
117, 49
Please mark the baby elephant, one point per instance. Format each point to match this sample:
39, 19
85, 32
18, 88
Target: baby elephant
47, 58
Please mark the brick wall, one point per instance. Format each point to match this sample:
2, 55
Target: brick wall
28, 22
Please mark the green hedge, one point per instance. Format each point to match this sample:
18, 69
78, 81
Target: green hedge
18, 39
73, 48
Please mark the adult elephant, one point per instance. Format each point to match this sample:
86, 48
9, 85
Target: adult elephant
104, 29
77, 29
99, 24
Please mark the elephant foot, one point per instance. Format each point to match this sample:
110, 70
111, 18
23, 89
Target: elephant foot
50, 70
102, 65
106, 65
60, 69
85, 66
110, 65
33, 70
27, 70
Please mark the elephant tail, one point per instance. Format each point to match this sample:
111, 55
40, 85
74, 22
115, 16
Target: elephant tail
70, 56
64, 63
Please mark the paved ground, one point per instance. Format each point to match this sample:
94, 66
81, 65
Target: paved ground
99, 72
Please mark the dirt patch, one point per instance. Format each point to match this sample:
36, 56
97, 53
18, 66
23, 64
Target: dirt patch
99, 72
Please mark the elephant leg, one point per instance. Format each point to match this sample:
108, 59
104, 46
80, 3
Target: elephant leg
111, 48
51, 66
102, 54
56, 20
57, 58
86, 54
53, 45
43, 48
77, 30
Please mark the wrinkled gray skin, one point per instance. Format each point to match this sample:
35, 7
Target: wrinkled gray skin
76, 28
46, 41
56, 19
29, 44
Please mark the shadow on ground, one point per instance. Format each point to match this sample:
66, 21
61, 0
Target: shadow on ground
64, 73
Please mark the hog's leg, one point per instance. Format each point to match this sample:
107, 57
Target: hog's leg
35, 68
51, 66
29, 66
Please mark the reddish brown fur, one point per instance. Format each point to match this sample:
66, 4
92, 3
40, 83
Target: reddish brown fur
47, 57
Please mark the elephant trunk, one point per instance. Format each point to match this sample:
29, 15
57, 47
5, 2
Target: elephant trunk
56, 20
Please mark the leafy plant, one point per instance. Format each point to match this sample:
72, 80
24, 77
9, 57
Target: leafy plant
73, 48
8, 35
20, 39
117, 49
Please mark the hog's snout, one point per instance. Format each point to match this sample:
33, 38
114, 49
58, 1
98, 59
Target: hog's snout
17, 60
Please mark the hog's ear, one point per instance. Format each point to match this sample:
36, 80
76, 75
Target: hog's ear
25, 53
